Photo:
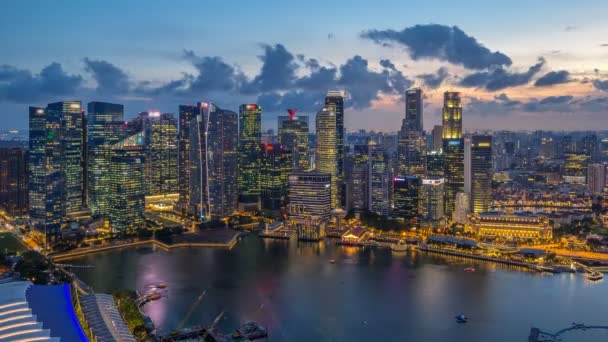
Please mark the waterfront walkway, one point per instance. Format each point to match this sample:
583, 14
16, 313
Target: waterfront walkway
536, 335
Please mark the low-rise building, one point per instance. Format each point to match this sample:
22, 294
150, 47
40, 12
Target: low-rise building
518, 226
355, 235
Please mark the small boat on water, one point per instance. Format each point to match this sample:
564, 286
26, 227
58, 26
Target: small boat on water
469, 269
461, 318
595, 276
400, 246
154, 296
332, 261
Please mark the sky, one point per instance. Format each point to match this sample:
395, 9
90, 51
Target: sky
520, 65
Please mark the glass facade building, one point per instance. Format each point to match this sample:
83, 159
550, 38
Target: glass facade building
453, 149
335, 98
186, 114
293, 135
327, 150
250, 135
481, 173
275, 169
406, 197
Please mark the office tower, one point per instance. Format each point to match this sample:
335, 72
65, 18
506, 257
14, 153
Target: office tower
309, 196
436, 138
14, 179
293, 135
547, 148
360, 178
575, 168
462, 207
590, 146
406, 197
336, 99
467, 165
162, 154
481, 173
327, 150
412, 142
46, 182
431, 202
72, 151
250, 133
566, 145
596, 178
275, 168
453, 149
213, 162
105, 128
127, 186
413, 110
186, 114
379, 180
435, 164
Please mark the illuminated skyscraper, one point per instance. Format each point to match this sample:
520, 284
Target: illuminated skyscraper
596, 178
413, 110
336, 98
213, 161
327, 152
575, 168
127, 186
360, 178
435, 164
46, 182
105, 123
275, 168
412, 142
293, 135
250, 133
379, 180
431, 202
186, 114
14, 179
72, 150
453, 149
406, 199
436, 138
309, 196
481, 173
162, 153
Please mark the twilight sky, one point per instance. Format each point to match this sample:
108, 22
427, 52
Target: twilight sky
519, 64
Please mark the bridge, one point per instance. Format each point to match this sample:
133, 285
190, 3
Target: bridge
536, 335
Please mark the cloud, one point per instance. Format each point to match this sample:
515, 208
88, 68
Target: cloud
110, 79
601, 85
434, 80
571, 28
278, 70
604, 45
553, 78
440, 42
499, 78
21, 86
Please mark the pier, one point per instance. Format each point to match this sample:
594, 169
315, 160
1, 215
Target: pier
536, 335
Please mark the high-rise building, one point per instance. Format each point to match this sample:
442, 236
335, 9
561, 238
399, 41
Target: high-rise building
590, 146
406, 200
412, 142
435, 164
467, 164
105, 123
327, 151
481, 173
336, 99
360, 178
453, 149
72, 151
250, 133
275, 168
309, 196
14, 180
213, 162
575, 168
46, 182
413, 110
596, 178
379, 180
462, 208
162, 154
127, 187
293, 135
431, 202
186, 114
436, 138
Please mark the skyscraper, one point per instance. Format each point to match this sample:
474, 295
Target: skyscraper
453, 149
413, 110
309, 196
436, 138
250, 133
336, 98
435, 164
379, 180
327, 150
412, 142
360, 177
481, 173
162, 153
431, 202
213, 161
14, 179
127, 187
46, 182
596, 178
105, 123
406, 197
186, 114
72, 151
293, 135
467, 164
275, 168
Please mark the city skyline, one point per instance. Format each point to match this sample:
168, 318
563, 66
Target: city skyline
505, 78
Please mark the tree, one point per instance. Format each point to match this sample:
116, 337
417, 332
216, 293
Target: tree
34, 267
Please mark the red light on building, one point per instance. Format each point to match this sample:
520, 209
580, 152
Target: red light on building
251, 106
292, 113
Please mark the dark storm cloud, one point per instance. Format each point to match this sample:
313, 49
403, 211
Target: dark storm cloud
303, 101
499, 78
434, 80
21, 86
278, 70
213, 74
110, 78
553, 78
601, 85
441, 42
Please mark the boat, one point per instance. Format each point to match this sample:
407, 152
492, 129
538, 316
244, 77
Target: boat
332, 261
461, 318
595, 276
469, 269
400, 246
154, 296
